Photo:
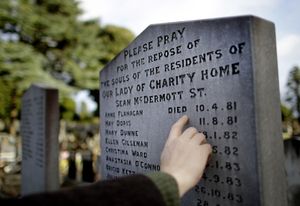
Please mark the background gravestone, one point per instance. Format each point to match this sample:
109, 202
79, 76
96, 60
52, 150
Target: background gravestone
222, 73
39, 131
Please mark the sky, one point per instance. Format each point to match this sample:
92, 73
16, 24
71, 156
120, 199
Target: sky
136, 15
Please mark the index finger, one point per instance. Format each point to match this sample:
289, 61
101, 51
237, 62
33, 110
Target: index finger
177, 127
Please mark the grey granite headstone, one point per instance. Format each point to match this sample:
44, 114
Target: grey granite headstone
39, 131
222, 73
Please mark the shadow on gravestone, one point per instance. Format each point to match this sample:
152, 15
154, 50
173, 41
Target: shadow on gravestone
39, 132
222, 73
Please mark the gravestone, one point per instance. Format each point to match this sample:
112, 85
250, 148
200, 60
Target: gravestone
222, 73
39, 132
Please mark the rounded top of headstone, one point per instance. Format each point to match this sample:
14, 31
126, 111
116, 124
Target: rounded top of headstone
42, 85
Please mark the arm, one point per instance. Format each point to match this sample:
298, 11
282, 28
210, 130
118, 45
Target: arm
134, 190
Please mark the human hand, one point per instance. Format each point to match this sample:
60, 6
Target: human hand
185, 155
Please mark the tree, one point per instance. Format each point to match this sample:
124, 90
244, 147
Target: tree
19, 67
43, 40
293, 91
84, 114
286, 113
68, 109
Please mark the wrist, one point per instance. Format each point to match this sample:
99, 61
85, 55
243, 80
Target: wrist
182, 184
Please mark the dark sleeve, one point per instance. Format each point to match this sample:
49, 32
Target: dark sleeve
135, 190
167, 186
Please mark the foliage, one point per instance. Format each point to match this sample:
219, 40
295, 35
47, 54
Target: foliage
20, 66
44, 41
286, 113
84, 114
68, 109
293, 91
